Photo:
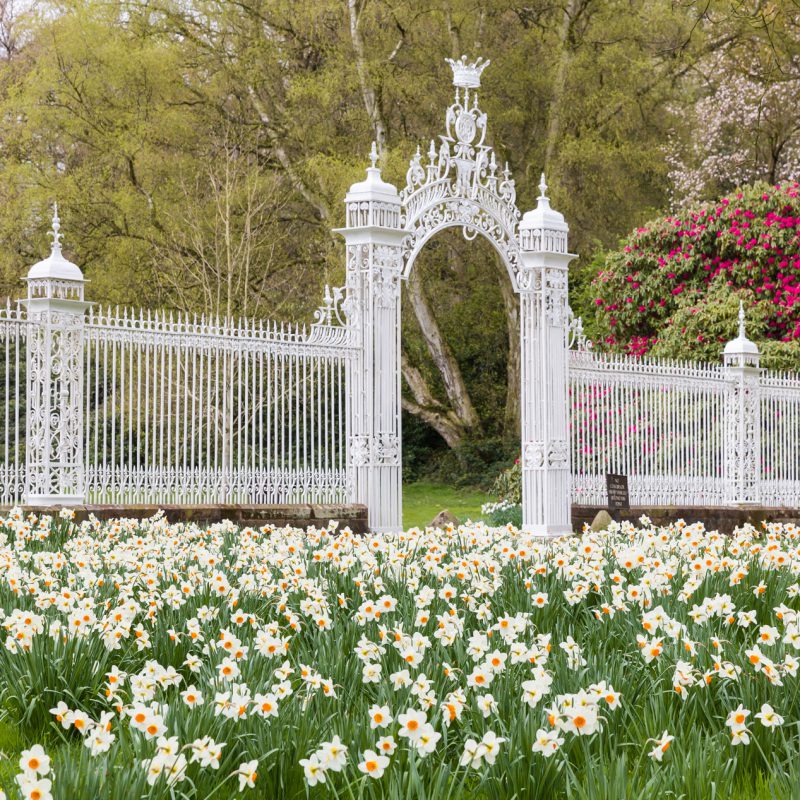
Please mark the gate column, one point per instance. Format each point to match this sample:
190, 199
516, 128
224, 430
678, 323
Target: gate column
373, 239
542, 283
54, 468
742, 418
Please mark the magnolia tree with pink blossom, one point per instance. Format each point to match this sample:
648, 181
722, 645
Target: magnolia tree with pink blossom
674, 286
744, 127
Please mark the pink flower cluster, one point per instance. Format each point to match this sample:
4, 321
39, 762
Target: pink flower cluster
747, 240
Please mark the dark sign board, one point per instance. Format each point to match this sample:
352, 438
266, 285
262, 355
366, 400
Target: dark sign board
617, 488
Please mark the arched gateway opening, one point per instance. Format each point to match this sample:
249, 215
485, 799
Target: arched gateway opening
457, 184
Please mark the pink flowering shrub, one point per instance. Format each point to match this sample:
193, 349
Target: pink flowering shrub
673, 288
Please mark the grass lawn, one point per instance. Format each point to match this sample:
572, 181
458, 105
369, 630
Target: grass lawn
422, 501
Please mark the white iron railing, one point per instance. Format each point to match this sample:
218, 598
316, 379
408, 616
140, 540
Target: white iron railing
780, 439
193, 410
190, 410
199, 410
659, 423
685, 434
12, 403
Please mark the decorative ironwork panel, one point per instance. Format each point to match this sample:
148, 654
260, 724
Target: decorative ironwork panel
660, 423
54, 458
184, 410
461, 184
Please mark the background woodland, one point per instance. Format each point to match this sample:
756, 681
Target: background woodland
200, 152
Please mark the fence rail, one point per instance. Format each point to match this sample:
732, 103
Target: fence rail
780, 439
659, 423
13, 406
190, 410
684, 433
186, 410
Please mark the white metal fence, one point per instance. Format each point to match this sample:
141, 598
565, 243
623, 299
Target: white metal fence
13, 403
193, 410
198, 410
132, 407
779, 471
685, 434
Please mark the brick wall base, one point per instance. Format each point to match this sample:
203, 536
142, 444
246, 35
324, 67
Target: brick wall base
721, 519
353, 515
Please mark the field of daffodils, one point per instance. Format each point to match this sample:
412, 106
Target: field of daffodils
142, 659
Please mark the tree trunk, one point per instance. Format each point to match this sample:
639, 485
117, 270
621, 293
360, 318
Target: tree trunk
311, 197
511, 419
442, 356
428, 408
371, 99
560, 81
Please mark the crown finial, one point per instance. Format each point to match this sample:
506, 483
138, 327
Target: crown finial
56, 227
741, 320
542, 188
373, 154
467, 75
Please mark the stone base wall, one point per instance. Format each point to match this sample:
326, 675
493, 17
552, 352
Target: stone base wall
721, 519
353, 516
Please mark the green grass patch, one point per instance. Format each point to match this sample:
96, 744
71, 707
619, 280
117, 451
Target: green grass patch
422, 501
11, 745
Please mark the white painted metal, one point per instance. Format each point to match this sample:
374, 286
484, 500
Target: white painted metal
742, 418
460, 185
198, 410
661, 423
13, 402
779, 463
373, 239
133, 406
53, 442
686, 434
542, 283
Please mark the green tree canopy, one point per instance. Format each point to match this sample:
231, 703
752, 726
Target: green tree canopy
200, 151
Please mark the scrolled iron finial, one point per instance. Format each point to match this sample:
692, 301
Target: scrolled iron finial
373, 154
543, 188
56, 227
741, 320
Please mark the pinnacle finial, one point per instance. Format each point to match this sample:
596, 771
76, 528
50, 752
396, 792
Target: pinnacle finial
373, 154
542, 188
741, 320
56, 227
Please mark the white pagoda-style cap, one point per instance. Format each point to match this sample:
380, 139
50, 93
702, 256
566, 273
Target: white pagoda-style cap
543, 216
374, 187
741, 348
55, 266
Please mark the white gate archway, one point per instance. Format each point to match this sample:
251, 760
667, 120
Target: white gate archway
459, 185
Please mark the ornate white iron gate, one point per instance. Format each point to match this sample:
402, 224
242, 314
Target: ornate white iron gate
460, 184
130, 407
